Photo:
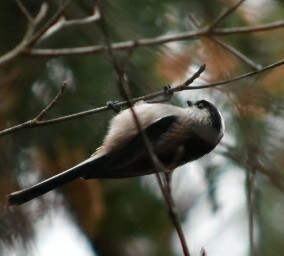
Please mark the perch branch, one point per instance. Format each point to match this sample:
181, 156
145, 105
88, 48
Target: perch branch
181, 87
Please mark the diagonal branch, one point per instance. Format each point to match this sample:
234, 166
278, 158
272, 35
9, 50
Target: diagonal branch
52, 104
237, 53
56, 16
158, 166
32, 36
223, 16
234, 79
23, 45
37, 120
62, 23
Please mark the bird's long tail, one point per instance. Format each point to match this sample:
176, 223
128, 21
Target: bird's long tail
25, 195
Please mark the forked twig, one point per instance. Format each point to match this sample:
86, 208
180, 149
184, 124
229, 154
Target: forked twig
63, 23
37, 120
26, 40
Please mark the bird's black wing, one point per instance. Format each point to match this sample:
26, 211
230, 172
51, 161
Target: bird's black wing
133, 159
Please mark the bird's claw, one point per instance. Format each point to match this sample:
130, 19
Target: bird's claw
114, 106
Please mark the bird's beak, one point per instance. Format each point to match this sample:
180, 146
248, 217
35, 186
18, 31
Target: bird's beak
189, 103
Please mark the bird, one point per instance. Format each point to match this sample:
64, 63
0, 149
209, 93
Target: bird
176, 136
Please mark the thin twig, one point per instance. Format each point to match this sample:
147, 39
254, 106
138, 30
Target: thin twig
158, 166
145, 42
223, 16
172, 212
63, 23
30, 124
203, 252
37, 120
250, 179
249, 29
40, 15
275, 177
23, 45
59, 95
225, 46
24, 10
237, 54
237, 78
56, 16
195, 76
90, 19
31, 36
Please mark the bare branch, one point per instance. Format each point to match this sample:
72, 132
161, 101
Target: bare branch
225, 46
203, 252
249, 29
23, 45
251, 201
195, 76
94, 17
145, 42
30, 124
41, 14
223, 16
60, 94
37, 120
237, 78
24, 10
62, 23
172, 211
56, 16
158, 166
237, 54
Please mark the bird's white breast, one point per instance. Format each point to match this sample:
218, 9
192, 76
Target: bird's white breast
123, 127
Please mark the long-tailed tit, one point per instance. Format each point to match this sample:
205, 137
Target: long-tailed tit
177, 136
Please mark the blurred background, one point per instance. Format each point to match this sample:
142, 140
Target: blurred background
231, 202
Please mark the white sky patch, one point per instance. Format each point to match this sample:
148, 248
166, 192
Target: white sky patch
57, 235
259, 7
224, 232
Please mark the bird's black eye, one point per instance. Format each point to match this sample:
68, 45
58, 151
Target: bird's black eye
200, 104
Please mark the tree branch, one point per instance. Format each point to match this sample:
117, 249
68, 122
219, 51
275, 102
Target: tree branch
181, 87
223, 16
145, 42
157, 164
62, 23
32, 23
237, 54
52, 104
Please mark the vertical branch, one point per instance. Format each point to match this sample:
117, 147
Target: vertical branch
173, 214
250, 186
158, 166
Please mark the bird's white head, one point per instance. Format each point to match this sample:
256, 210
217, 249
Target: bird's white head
206, 119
